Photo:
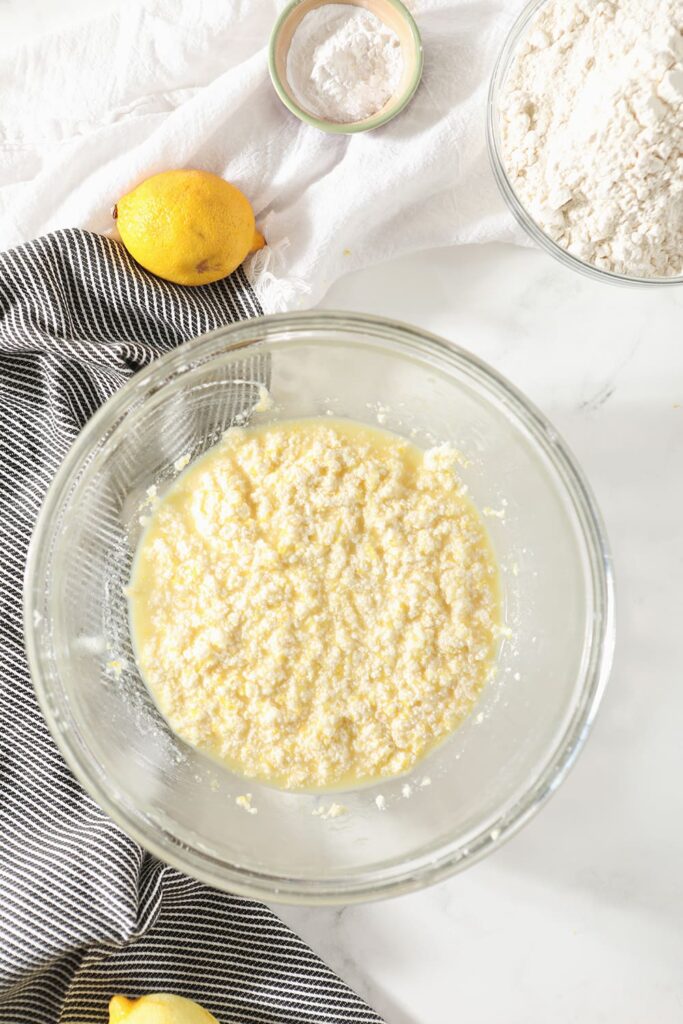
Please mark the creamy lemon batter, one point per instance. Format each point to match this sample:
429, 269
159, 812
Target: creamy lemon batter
315, 602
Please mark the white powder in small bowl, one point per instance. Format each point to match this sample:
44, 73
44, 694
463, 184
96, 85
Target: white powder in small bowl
343, 63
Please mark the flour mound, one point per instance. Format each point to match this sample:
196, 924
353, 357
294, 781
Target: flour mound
343, 63
592, 131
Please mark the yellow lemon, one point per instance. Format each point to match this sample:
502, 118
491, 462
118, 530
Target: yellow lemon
158, 1008
190, 227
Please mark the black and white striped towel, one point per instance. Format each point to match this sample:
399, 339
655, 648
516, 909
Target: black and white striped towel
84, 912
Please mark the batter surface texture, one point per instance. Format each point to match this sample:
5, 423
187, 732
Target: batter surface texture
315, 603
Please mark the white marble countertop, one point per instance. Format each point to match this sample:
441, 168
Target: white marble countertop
580, 917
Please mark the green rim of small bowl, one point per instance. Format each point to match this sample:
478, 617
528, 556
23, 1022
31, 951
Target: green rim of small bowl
351, 128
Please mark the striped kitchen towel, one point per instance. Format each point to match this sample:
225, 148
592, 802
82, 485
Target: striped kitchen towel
84, 911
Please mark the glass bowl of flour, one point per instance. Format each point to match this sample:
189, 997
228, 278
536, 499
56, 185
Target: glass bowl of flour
585, 134
353, 842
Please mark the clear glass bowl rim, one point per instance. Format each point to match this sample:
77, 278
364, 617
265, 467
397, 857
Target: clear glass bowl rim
453, 857
500, 71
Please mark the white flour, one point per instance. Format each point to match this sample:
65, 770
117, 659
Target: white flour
343, 63
592, 131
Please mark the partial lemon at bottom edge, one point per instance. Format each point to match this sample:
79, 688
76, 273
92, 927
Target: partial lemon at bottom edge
158, 1008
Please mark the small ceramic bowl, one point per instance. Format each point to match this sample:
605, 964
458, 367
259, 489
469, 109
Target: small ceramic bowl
392, 13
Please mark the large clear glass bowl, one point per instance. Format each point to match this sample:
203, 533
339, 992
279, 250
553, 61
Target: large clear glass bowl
488, 778
500, 72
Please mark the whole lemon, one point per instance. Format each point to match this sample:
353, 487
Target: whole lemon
158, 1008
187, 226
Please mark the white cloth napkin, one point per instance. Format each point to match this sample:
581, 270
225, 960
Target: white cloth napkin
87, 113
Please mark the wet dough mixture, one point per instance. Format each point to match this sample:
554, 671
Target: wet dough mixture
315, 603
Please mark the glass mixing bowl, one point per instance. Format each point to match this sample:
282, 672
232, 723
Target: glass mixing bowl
500, 73
489, 777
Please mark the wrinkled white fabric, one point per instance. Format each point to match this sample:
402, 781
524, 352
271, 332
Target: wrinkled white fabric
87, 113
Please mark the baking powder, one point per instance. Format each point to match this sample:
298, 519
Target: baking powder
592, 131
343, 63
